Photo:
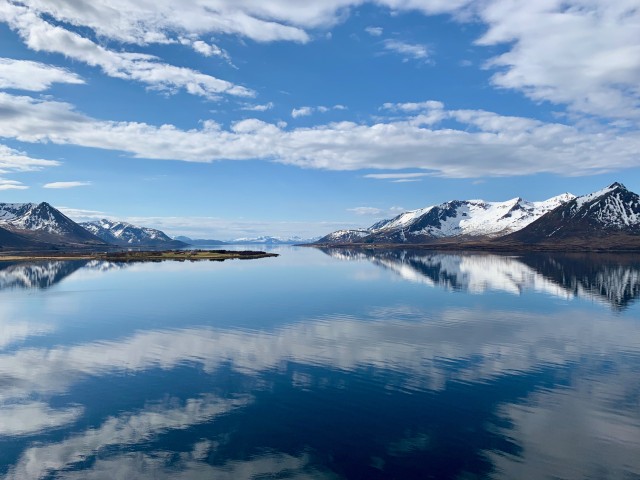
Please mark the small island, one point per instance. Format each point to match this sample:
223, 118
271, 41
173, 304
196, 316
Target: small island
141, 255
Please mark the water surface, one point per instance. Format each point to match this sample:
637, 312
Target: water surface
322, 364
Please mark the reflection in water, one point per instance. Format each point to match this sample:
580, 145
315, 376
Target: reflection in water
44, 274
386, 390
614, 279
420, 353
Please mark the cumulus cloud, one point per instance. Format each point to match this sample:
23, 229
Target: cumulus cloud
66, 184
374, 31
408, 51
33, 76
485, 144
582, 53
39, 35
593, 69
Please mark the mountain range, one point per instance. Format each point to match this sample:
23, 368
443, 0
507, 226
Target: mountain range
128, 235
607, 218
264, 240
39, 226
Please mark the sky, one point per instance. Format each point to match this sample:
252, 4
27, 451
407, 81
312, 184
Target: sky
238, 118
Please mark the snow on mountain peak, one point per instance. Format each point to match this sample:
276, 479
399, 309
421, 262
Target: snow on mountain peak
611, 207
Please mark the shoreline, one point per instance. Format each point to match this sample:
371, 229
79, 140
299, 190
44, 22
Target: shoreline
139, 256
519, 248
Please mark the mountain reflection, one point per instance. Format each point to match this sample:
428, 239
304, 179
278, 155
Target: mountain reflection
612, 279
44, 274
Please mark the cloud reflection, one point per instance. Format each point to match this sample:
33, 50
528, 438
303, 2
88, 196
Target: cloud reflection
128, 429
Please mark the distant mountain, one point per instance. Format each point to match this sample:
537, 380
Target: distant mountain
265, 240
126, 234
199, 241
270, 241
40, 223
608, 215
466, 219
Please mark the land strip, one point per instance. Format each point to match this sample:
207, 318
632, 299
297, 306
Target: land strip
139, 256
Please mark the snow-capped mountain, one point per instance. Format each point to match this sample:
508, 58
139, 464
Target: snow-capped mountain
457, 218
345, 236
612, 212
267, 240
44, 223
126, 234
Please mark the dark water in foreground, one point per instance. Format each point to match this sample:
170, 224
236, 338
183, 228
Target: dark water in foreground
338, 364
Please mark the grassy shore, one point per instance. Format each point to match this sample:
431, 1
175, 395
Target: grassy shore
141, 256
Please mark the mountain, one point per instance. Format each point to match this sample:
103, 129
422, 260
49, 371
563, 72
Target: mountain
199, 241
610, 215
266, 240
40, 223
14, 241
467, 219
126, 234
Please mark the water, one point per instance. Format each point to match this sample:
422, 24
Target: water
335, 364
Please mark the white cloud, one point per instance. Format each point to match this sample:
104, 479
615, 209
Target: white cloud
485, 143
595, 43
83, 215
40, 35
412, 107
12, 160
301, 112
258, 108
374, 31
306, 111
33, 76
582, 53
408, 51
365, 210
66, 184
12, 185
207, 49
414, 176
143, 23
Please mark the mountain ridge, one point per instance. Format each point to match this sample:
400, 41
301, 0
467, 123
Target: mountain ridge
610, 216
43, 224
128, 235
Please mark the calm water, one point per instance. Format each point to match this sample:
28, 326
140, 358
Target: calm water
336, 364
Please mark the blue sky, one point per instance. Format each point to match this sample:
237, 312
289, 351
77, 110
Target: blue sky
229, 118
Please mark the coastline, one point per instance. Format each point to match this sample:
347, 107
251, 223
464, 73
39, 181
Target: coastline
585, 246
139, 256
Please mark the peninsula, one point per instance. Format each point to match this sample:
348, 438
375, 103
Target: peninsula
140, 256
